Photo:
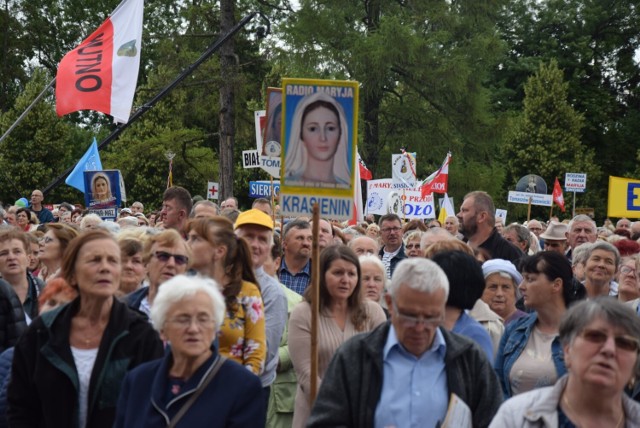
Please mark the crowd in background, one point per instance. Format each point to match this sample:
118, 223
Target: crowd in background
199, 314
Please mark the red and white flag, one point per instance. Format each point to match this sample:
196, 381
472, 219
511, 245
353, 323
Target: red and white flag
438, 182
557, 195
102, 72
365, 174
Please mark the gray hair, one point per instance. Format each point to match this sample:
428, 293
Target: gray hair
522, 234
205, 202
297, 224
178, 288
419, 274
374, 260
581, 314
582, 218
604, 246
581, 253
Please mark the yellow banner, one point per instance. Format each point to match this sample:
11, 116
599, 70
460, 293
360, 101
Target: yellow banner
624, 197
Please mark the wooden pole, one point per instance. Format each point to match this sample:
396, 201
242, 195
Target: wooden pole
273, 205
551, 211
315, 302
529, 210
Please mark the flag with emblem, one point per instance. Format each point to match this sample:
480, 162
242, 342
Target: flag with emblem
557, 195
101, 73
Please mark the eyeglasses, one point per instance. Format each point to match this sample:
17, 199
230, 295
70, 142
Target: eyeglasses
433, 226
391, 229
186, 321
164, 257
626, 270
625, 343
409, 321
412, 246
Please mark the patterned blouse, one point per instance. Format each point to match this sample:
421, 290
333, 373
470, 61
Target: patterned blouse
242, 337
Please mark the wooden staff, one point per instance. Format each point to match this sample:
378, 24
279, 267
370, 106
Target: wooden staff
273, 205
551, 211
315, 302
528, 210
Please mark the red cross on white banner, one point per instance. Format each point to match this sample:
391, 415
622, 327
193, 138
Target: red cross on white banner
212, 190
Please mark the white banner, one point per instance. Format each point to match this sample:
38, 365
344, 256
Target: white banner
536, 198
384, 197
403, 170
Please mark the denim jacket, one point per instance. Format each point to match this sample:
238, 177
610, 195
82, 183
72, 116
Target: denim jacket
513, 341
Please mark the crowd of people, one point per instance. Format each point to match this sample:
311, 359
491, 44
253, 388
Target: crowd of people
199, 314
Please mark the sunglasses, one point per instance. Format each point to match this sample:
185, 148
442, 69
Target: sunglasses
625, 343
164, 257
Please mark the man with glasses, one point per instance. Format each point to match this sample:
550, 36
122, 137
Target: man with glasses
404, 372
165, 255
392, 250
43, 214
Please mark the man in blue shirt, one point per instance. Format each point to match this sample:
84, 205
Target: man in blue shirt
295, 269
404, 372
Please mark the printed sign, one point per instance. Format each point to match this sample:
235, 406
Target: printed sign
250, 159
500, 213
269, 164
262, 189
624, 197
575, 182
403, 170
273, 124
319, 141
523, 198
386, 197
102, 194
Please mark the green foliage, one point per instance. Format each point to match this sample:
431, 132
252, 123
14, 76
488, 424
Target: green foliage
545, 139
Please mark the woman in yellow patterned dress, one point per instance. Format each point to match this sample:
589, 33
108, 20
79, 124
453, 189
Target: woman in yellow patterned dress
220, 255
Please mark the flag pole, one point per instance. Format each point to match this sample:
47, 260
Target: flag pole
28, 109
167, 89
315, 302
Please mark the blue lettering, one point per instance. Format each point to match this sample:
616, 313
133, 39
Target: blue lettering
633, 196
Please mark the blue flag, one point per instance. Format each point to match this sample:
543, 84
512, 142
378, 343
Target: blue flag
89, 162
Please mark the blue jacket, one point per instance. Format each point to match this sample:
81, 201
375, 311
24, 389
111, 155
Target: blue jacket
513, 341
232, 399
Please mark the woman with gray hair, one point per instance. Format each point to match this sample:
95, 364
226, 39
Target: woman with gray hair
193, 383
374, 279
600, 268
599, 338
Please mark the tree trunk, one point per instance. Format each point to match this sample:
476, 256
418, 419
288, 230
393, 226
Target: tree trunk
227, 115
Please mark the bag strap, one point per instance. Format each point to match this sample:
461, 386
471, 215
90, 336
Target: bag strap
185, 408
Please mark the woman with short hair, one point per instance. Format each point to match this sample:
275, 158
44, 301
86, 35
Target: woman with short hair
600, 267
69, 365
193, 385
599, 338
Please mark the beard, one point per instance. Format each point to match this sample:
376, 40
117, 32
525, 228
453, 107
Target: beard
470, 228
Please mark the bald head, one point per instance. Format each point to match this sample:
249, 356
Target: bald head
436, 234
362, 245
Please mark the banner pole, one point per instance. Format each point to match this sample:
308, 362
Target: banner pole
165, 91
27, 110
315, 302
529, 210
573, 212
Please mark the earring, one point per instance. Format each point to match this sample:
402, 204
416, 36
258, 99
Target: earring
631, 383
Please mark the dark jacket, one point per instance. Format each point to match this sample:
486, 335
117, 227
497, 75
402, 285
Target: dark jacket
136, 297
352, 385
395, 260
44, 387
500, 248
232, 398
5, 375
12, 320
30, 305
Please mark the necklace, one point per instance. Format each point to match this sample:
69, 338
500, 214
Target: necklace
568, 406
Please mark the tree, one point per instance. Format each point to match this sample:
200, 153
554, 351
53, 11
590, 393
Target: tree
422, 67
546, 138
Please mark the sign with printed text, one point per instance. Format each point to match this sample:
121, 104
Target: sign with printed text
103, 192
213, 190
574, 182
500, 213
250, 159
386, 197
403, 170
263, 188
320, 131
270, 164
536, 198
624, 197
